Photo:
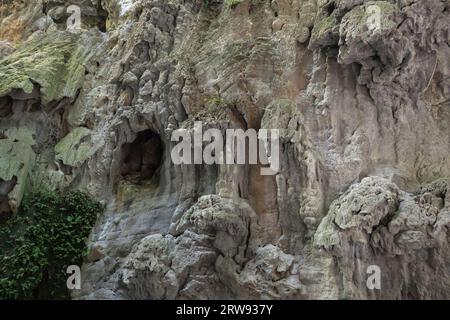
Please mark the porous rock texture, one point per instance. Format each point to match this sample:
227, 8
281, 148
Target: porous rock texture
364, 115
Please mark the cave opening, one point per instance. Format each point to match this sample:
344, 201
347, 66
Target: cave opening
141, 158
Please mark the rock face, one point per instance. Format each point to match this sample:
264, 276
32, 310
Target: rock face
360, 91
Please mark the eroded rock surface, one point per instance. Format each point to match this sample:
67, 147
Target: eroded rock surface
360, 91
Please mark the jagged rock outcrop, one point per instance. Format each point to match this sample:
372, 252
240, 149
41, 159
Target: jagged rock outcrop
360, 91
375, 223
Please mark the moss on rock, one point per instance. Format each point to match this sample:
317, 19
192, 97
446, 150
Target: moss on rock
53, 61
41, 241
75, 148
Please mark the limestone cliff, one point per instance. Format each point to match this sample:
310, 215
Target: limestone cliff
360, 91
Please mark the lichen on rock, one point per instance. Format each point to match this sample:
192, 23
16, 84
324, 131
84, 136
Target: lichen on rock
16, 163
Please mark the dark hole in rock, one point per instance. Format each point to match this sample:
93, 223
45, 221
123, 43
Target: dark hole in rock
330, 8
6, 104
5, 188
141, 158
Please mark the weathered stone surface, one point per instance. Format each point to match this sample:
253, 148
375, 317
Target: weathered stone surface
16, 163
363, 109
375, 223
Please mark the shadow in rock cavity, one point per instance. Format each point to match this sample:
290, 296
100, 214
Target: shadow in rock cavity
141, 158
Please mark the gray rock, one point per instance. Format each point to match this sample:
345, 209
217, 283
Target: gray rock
363, 114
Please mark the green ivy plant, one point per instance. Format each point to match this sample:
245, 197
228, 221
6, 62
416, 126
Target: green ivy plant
37, 244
